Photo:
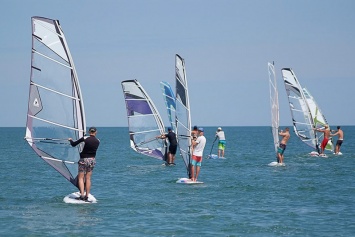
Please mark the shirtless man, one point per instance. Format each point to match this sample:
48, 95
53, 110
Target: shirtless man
280, 152
326, 132
339, 141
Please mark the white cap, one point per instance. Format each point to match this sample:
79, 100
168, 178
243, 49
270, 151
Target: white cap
219, 128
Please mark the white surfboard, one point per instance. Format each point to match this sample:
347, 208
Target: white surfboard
71, 198
214, 156
187, 181
275, 163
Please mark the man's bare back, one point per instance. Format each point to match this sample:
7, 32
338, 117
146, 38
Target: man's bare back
285, 136
326, 131
340, 134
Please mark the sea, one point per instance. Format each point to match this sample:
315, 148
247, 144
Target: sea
138, 196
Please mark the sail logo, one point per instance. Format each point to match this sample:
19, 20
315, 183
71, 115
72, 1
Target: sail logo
36, 103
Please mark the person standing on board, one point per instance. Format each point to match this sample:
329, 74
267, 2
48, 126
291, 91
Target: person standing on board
221, 142
340, 134
172, 145
326, 132
198, 146
87, 161
282, 147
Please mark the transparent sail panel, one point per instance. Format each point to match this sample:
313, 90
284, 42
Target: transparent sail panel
170, 103
55, 109
144, 121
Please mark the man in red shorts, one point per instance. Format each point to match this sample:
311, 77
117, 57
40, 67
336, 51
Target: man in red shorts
326, 132
198, 146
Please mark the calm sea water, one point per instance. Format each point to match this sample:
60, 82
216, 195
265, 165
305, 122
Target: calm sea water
137, 196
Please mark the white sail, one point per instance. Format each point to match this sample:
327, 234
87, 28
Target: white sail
183, 116
274, 104
305, 113
170, 103
55, 104
144, 121
319, 120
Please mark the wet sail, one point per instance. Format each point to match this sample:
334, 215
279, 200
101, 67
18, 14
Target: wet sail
183, 116
274, 104
170, 103
55, 103
144, 121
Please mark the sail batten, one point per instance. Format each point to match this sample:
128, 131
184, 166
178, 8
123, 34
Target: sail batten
55, 104
48, 89
53, 60
57, 124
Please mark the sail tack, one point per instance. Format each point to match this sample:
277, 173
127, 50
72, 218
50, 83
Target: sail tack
183, 116
55, 104
144, 121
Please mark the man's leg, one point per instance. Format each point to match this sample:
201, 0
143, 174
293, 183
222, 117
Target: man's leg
81, 183
88, 182
197, 171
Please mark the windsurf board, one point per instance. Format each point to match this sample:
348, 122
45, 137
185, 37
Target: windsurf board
71, 198
214, 156
187, 181
275, 163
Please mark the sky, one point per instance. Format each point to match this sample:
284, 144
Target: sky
226, 45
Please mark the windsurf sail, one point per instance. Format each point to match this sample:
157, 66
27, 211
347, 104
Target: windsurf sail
319, 120
170, 103
144, 121
55, 104
183, 116
274, 104
305, 113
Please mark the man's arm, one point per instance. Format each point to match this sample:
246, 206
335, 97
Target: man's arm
334, 134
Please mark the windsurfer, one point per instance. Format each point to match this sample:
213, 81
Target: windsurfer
340, 134
221, 141
172, 145
280, 152
198, 145
326, 132
87, 161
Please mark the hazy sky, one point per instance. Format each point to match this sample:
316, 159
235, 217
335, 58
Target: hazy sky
226, 46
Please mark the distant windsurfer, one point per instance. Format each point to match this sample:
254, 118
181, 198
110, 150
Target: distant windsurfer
282, 147
172, 145
221, 142
87, 161
340, 134
198, 146
326, 132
